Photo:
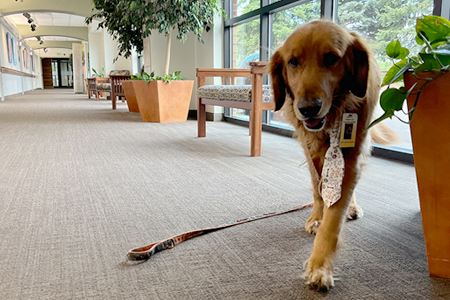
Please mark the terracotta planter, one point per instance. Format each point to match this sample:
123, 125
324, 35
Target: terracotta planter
430, 137
130, 95
163, 102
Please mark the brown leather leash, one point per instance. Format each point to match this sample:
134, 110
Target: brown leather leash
146, 252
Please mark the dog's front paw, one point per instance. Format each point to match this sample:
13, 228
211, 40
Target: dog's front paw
319, 278
354, 212
312, 225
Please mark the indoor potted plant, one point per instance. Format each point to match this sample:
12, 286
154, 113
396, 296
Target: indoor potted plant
130, 95
100, 74
131, 21
158, 98
426, 79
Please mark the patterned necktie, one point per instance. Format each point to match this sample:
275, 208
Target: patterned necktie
333, 169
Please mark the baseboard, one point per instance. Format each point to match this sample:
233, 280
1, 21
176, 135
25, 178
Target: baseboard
216, 117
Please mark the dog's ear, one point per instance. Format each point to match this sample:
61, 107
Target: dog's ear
278, 84
358, 67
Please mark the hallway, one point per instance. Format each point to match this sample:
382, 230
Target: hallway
82, 184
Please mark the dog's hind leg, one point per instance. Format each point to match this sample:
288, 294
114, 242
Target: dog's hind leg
354, 210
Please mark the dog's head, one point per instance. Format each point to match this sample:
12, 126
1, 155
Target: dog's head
318, 64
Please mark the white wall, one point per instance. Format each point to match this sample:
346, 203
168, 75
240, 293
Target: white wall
187, 57
210, 55
54, 53
11, 84
96, 55
14, 84
4, 51
110, 50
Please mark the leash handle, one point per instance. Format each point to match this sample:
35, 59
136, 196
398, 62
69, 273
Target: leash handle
145, 252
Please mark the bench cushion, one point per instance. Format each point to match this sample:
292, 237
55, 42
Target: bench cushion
241, 93
104, 87
120, 72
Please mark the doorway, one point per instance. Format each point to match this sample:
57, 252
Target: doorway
62, 75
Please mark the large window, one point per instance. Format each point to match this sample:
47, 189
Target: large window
246, 41
241, 7
380, 22
256, 28
283, 23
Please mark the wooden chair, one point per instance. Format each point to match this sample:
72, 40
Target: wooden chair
254, 97
92, 87
102, 85
116, 87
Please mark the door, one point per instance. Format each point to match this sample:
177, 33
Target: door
62, 76
47, 73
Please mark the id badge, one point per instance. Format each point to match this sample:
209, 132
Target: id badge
348, 130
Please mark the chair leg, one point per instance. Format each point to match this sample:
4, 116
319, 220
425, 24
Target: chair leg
250, 123
256, 114
256, 133
201, 118
113, 99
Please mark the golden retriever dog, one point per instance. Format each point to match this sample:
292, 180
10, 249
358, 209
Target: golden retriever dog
321, 72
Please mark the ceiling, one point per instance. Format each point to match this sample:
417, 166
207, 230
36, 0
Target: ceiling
50, 19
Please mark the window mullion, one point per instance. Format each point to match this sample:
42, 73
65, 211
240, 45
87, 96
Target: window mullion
328, 10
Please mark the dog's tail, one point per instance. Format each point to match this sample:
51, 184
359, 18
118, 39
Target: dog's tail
382, 135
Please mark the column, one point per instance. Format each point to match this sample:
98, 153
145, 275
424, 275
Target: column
77, 70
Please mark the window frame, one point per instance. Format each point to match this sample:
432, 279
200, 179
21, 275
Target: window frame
328, 10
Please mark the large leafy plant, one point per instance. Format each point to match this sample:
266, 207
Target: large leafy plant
131, 21
433, 34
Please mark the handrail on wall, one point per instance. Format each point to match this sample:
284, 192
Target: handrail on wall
5, 70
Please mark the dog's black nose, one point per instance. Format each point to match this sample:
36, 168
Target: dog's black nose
310, 110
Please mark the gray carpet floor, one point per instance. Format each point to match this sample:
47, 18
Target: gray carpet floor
82, 184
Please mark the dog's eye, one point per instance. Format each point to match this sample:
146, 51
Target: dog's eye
293, 62
330, 59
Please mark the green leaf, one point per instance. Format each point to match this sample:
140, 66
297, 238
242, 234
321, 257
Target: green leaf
391, 100
429, 63
433, 28
444, 59
396, 72
395, 50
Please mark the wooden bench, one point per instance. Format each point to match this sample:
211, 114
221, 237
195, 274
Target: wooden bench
113, 85
255, 97
116, 87
92, 87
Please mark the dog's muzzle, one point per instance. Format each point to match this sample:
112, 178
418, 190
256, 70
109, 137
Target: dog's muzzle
311, 120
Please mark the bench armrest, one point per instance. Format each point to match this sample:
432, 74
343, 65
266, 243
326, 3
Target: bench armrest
203, 72
259, 67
